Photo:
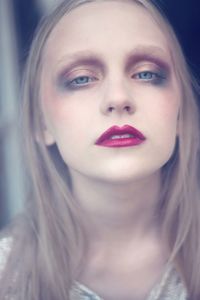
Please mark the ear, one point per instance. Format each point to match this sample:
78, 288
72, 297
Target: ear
44, 135
48, 137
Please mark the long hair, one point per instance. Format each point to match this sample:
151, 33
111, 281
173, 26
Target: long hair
49, 242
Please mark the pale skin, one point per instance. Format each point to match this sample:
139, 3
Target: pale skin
117, 188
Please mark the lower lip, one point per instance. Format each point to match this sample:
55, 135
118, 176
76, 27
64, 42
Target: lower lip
126, 142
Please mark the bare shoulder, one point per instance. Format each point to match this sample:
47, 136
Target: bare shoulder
5, 249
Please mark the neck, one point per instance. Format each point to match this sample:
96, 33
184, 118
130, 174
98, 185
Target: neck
114, 211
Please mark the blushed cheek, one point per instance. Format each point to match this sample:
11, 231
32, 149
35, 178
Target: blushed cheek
169, 106
51, 104
162, 113
53, 107
169, 114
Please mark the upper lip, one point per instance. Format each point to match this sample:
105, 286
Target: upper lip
116, 130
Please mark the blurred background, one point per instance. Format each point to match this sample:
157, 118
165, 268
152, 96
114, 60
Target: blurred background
18, 20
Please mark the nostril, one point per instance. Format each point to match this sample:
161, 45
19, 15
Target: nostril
120, 108
110, 109
127, 108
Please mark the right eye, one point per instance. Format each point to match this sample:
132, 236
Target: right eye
81, 80
78, 82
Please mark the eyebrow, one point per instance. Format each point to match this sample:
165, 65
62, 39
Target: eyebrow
150, 53
85, 57
153, 54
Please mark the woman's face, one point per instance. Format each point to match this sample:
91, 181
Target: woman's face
108, 64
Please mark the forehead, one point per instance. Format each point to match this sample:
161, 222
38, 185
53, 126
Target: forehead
92, 25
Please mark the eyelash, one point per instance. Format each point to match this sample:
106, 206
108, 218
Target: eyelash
157, 78
70, 83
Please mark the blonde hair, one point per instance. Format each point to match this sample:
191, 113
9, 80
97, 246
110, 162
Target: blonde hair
52, 229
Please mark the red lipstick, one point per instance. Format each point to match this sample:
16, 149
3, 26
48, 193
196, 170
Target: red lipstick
125, 136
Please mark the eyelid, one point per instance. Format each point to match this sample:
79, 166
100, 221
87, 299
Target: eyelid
64, 78
148, 66
73, 70
73, 73
148, 59
69, 83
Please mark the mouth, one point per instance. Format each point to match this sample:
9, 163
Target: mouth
125, 136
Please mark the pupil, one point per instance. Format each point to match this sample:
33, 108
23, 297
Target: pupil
146, 75
82, 79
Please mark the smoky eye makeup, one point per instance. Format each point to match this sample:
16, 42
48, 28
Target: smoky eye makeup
78, 82
79, 71
151, 74
77, 78
144, 68
149, 66
82, 79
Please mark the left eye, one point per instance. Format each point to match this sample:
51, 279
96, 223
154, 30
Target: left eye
146, 75
155, 78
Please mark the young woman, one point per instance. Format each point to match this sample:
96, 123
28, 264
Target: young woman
111, 133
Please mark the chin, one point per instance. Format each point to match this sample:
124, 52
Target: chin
125, 175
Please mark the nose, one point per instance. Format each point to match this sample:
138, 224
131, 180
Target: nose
117, 99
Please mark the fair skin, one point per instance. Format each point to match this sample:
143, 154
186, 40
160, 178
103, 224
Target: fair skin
118, 189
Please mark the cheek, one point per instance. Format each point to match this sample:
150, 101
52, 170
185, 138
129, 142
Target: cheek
162, 114
164, 106
64, 118
54, 106
56, 110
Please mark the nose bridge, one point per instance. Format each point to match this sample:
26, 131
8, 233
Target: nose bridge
116, 87
117, 93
